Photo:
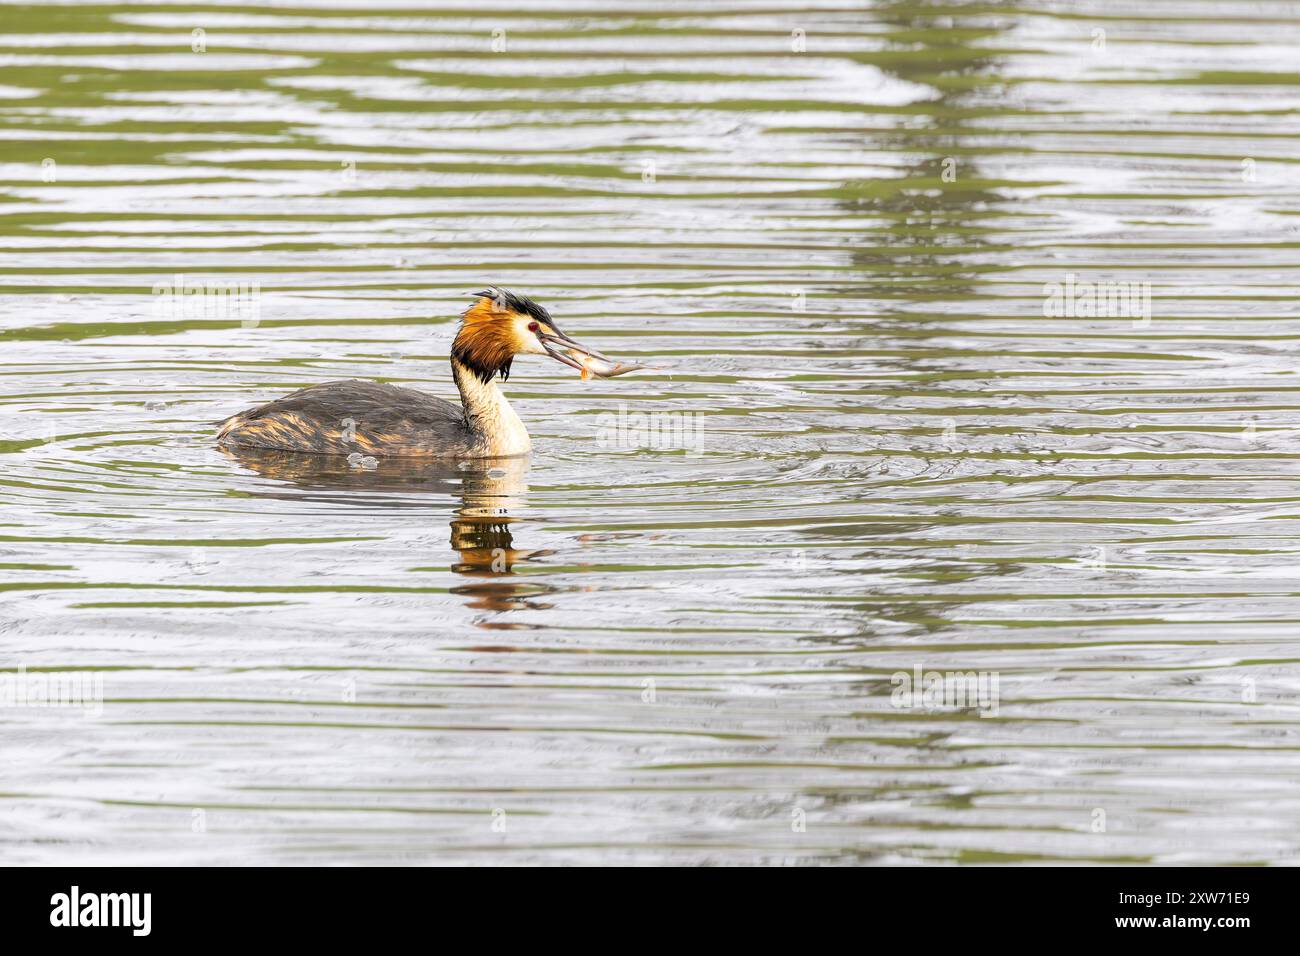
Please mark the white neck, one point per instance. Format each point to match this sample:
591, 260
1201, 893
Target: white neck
496, 428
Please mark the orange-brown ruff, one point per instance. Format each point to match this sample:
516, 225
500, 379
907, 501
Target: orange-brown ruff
342, 418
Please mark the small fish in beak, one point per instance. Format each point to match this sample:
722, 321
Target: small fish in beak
602, 367
586, 360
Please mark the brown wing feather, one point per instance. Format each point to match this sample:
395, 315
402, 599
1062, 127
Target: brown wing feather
340, 418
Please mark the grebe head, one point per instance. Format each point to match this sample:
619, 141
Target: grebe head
500, 325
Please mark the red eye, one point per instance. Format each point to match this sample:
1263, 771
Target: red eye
533, 326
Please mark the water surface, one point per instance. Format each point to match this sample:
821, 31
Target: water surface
835, 226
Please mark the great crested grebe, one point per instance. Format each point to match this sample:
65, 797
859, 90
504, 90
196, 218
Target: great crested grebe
344, 418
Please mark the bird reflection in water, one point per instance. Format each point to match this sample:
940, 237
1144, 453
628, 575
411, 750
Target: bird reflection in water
488, 489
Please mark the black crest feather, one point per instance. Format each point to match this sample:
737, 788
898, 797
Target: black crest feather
513, 302
486, 363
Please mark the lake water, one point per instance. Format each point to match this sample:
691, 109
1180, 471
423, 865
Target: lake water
898, 436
